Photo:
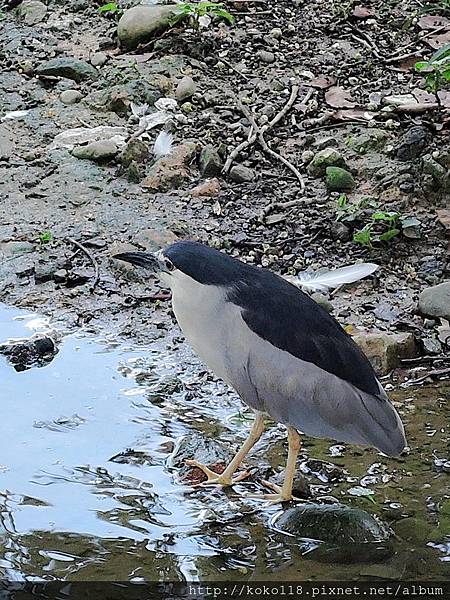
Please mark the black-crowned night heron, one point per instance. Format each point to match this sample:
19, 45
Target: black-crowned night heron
284, 355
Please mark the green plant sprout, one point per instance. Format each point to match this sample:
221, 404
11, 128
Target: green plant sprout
196, 10
111, 8
45, 237
437, 68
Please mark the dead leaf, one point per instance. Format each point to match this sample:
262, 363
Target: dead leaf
438, 41
409, 63
443, 215
433, 21
362, 12
444, 98
354, 115
337, 97
323, 83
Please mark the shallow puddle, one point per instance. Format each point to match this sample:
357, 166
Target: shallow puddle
88, 490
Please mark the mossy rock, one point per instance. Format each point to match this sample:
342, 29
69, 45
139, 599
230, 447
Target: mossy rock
339, 179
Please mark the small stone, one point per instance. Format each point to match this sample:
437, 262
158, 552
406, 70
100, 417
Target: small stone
327, 142
385, 350
70, 96
435, 301
241, 174
32, 11
413, 142
307, 156
339, 180
210, 163
340, 231
44, 272
322, 301
71, 68
99, 59
266, 56
140, 23
97, 151
276, 33
208, 188
135, 151
186, 88
187, 107
439, 174
328, 157
60, 276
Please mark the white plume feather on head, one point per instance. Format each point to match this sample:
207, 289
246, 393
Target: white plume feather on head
321, 281
163, 144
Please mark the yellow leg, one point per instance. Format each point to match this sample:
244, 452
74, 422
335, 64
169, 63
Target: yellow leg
226, 478
284, 493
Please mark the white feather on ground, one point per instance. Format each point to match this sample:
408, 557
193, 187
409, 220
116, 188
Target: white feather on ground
323, 280
163, 144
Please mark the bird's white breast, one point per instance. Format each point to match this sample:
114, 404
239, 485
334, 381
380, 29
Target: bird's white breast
205, 318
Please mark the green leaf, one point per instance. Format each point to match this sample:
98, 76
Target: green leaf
223, 14
110, 7
388, 235
364, 236
422, 65
342, 202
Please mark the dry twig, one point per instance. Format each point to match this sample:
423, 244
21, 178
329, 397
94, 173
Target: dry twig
94, 262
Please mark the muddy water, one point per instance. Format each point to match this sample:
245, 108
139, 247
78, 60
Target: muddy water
87, 491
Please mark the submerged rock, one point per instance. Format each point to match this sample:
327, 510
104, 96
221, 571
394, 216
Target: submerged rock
71, 68
206, 450
36, 352
140, 23
342, 533
435, 301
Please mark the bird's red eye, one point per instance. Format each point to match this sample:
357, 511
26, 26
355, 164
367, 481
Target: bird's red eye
169, 265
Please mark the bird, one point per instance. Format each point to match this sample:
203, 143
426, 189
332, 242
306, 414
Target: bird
284, 355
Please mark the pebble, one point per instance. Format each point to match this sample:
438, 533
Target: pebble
210, 162
241, 174
435, 301
266, 56
186, 88
339, 180
70, 96
99, 59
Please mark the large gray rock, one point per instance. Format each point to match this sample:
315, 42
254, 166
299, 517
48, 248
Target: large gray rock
99, 151
343, 533
435, 301
32, 11
140, 23
71, 68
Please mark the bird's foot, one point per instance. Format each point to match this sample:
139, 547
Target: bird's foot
276, 498
217, 478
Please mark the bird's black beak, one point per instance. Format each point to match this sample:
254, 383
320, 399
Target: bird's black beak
141, 259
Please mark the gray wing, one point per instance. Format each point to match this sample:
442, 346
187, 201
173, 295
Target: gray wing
318, 403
